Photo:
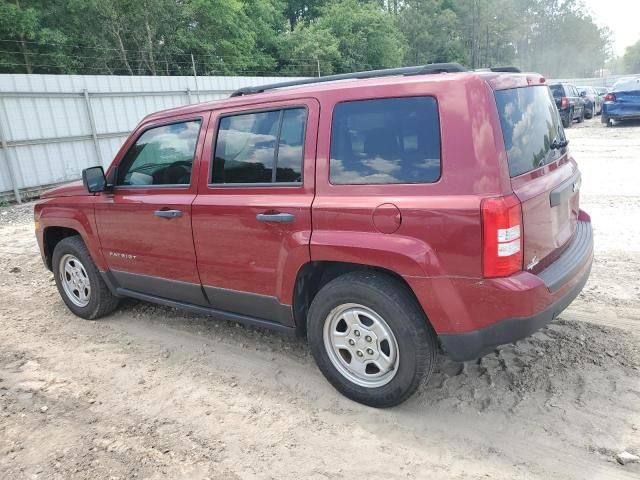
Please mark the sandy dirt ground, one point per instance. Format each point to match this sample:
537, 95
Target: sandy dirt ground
151, 392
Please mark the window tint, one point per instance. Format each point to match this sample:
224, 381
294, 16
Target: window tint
530, 123
290, 146
557, 91
249, 147
395, 140
161, 156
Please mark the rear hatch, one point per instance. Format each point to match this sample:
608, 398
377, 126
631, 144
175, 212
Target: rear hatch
544, 177
558, 92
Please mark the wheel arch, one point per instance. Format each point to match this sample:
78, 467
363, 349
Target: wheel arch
312, 276
53, 235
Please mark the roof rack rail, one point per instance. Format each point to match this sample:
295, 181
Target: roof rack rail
506, 69
406, 71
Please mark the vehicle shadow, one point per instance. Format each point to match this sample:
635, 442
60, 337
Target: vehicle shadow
627, 123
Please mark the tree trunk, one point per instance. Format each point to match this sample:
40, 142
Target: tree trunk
122, 51
152, 63
23, 48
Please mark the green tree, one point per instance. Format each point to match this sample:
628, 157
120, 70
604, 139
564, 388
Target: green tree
631, 58
432, 31
367, 36
310, 49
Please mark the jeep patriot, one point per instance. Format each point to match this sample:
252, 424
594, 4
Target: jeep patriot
382, 215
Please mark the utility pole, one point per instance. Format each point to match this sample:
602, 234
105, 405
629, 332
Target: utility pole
317, 60
195, 76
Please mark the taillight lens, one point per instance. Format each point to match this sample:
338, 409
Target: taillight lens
501, 236
564, 102
610, 97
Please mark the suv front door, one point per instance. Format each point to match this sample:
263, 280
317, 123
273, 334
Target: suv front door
252, 216
144, 224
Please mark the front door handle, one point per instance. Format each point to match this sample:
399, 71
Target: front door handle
276, 217
168, 213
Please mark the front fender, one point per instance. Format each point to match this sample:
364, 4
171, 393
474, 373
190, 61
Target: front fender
76, 213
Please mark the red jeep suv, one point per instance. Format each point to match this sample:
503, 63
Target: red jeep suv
380, 214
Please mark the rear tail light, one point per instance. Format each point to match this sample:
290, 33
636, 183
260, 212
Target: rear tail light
501, 236
564, 102
610, 97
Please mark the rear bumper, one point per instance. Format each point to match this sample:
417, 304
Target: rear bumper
621, 112
549, 293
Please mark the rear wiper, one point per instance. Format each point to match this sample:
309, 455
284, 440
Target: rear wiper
557, 144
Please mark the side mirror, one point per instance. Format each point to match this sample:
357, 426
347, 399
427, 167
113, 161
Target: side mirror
94, 179
583, 93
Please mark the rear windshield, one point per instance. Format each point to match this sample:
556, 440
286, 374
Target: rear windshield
557, 90
626, 85
529, 121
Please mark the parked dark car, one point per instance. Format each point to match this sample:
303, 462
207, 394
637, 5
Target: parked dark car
570, 105
622, 102
373, 216
592, 101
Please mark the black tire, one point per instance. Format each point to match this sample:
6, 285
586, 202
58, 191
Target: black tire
101, 300
581, 117
589, 114
416, 340
567, 121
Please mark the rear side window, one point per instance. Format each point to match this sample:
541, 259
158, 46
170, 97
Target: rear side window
393, 140
529, 121
263, 147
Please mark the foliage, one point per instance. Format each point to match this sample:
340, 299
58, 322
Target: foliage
631, 59
160, 37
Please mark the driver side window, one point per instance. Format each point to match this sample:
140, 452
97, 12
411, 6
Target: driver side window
161, 156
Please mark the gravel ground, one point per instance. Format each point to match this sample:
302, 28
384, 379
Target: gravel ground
16, 214
152, 392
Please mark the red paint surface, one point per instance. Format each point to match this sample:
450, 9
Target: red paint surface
436, 247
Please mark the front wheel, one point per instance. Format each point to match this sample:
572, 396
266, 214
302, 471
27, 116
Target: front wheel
370, 338
79, 282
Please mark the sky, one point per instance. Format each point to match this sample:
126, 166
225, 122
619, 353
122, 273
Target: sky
621, 16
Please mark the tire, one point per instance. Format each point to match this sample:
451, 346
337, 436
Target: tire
71, 252
568, 120
365, 298
589, 114
581, 117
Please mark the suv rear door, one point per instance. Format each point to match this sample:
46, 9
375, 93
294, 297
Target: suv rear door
544, 178
252, 215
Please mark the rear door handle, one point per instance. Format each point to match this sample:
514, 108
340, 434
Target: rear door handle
168, 213
276, 217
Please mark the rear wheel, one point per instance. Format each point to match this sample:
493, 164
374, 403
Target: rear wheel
589, 114
581, 117
568, 120
79, 282
370, 338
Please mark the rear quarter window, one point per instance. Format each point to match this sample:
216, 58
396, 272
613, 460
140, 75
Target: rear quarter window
383, 141
530, 123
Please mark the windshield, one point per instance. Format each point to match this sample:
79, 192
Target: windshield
530, 127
